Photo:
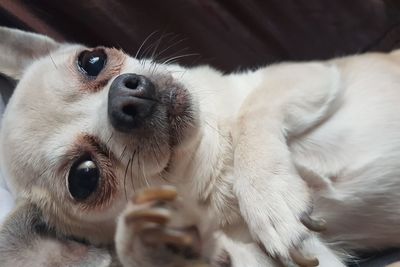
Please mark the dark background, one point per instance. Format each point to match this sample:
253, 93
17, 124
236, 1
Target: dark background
228, 34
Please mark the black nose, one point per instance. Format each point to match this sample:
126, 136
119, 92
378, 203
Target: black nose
131, 100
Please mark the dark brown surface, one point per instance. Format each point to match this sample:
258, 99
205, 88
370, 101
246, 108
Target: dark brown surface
229, 34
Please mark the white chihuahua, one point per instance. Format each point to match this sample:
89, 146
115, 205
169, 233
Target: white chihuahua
294, 163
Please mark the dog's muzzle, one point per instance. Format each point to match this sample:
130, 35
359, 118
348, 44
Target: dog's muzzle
131, 100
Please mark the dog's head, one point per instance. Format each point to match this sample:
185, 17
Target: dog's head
85, 126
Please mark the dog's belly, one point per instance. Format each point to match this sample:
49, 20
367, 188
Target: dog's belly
357, 151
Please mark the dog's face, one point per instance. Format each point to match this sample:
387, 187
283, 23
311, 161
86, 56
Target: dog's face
87, 126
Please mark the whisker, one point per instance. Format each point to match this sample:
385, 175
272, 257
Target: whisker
154, 52
144, 42
123, 153
176, 53
109, 139
145, 177
132, 183
52, 60
179, 57
107, 145
163, 35
174, 57
146, 51
158, 147
217, 131
170, 46
142, 169
126, 172
155, 154
192, 63
131, 179
44, 171
138, 161
162, 177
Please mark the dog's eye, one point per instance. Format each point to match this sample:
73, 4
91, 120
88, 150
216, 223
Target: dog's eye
83, 179
92, 62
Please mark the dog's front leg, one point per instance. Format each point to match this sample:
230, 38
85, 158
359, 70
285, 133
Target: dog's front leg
273, 199
147, 237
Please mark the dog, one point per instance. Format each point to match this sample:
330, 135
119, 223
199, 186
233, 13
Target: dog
116, 160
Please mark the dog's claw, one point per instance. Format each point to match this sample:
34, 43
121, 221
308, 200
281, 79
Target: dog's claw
148, 224
316, 225
158, 235
164, 193
151, 221
302, 260
155, 215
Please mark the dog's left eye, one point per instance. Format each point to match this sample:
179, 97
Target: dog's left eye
92, 62
83, 179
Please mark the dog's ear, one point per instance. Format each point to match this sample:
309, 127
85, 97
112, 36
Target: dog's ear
18, 49
26, 240
7, 86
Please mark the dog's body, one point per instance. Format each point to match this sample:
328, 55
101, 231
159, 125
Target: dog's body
251, 155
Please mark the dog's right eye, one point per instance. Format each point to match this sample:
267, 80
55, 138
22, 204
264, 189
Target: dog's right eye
83, 179
92, 62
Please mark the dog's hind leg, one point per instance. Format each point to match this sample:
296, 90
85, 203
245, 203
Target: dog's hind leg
26, 240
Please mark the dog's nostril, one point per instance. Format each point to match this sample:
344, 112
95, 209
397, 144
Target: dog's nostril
132, 84
131, 101
130, 110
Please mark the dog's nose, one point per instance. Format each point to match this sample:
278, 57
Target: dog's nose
131, 100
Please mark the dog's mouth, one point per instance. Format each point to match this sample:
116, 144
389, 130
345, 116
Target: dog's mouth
150, 116
144, 107
179, 111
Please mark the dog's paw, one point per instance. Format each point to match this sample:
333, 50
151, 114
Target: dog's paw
282, 231
145, 237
